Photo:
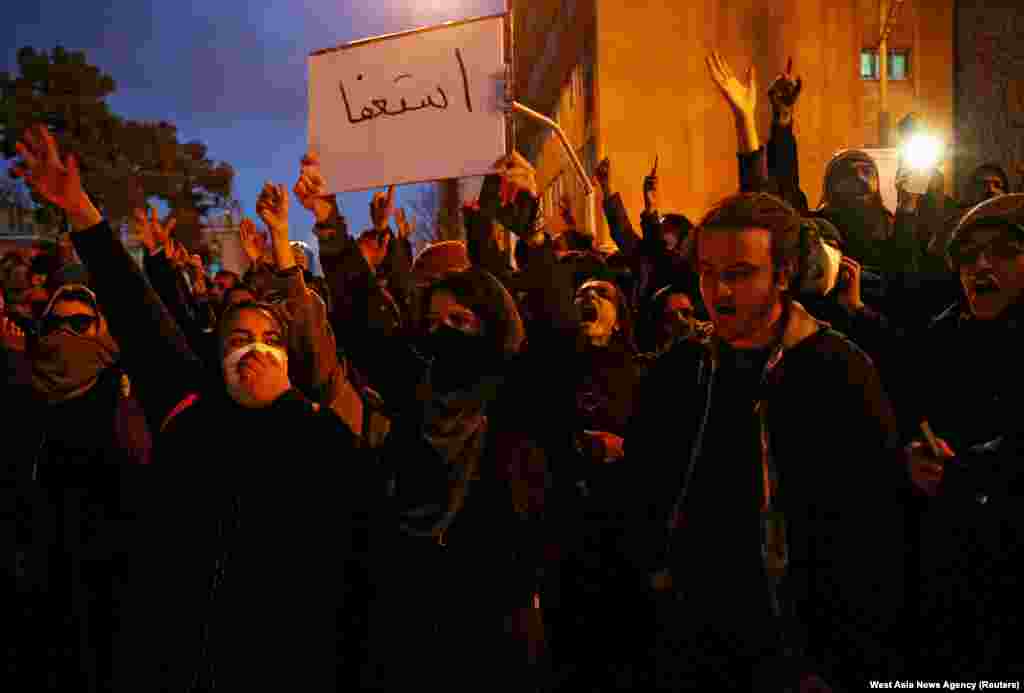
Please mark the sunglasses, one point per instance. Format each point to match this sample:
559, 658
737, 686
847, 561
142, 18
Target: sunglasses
78, 323
1004, 247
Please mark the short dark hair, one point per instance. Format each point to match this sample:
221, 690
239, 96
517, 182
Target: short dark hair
746, 211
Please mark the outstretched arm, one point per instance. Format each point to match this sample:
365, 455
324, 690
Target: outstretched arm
742, 99
154, 351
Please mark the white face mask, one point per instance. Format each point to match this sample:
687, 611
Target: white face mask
233, 379
822, 270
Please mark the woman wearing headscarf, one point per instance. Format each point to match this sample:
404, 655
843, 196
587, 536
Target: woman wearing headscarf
590, 377
454, 574
249, 554
74, 435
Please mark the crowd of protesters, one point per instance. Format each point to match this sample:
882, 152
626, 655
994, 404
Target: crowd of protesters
775, 449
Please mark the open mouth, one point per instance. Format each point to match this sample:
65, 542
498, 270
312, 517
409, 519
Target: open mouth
984, 286
588, 312
725, 310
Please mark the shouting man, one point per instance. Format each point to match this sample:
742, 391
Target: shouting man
754, 487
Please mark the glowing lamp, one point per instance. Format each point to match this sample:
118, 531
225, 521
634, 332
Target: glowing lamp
923, 152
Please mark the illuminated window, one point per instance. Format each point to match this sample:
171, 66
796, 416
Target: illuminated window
899, 64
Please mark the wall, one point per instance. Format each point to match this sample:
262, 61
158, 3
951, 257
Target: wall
551, 78
653, 95
990, 85
656, 96
925, 28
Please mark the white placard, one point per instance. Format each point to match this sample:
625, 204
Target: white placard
418, 106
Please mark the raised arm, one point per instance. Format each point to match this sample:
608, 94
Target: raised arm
619, 225
162, 275
742, 101
481, 243
154, 350
316, 370
547, 283
362, 314
783, 162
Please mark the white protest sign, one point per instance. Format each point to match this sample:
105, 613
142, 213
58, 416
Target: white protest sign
417, 106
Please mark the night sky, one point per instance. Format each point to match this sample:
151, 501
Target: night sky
231, 74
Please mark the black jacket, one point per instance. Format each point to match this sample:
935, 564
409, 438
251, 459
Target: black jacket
969, 388
245, 556
842, 484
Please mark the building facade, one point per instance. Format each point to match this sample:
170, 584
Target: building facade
628, 80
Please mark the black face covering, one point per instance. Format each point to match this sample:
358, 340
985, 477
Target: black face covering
862, 226
458, 358
64, 364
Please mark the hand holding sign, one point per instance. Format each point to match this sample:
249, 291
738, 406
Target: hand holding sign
517, 174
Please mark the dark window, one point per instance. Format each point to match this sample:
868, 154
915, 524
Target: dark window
899, 64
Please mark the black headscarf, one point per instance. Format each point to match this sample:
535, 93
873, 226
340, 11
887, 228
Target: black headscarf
65, 364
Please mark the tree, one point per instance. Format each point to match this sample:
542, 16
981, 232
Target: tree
17, 200
151, 162
124, 163
68, 95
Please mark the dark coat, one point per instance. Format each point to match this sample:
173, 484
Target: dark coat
842, 486
969, 388
65, 471
247, 553
444, 609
